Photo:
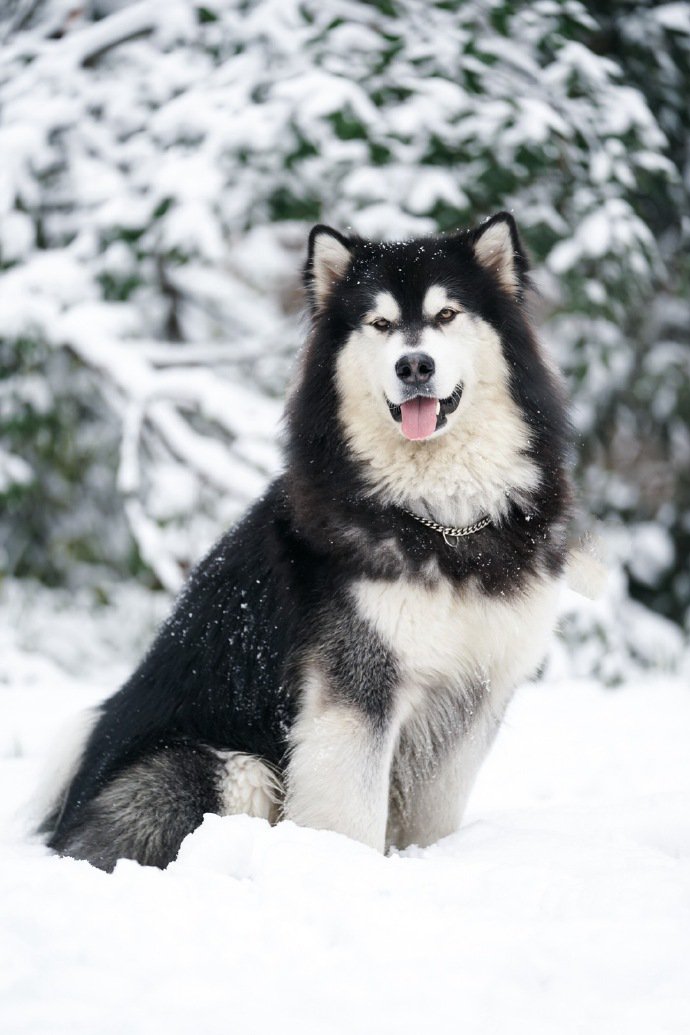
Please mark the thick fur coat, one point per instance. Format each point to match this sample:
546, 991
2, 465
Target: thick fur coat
334, 660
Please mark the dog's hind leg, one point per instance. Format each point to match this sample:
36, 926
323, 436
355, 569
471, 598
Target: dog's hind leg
146, 811
248, 785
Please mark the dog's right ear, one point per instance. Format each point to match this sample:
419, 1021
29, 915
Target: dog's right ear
328, 258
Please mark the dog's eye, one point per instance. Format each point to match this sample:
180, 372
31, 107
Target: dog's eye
446, 315
381, 324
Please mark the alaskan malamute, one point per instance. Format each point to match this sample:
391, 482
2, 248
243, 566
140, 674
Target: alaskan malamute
343, 657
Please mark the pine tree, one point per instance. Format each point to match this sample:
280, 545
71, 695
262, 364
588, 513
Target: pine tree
165, 162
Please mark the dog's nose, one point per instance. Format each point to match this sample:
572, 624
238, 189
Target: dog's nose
415, 369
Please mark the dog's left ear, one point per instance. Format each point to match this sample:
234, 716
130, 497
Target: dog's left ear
497, 247
328, 258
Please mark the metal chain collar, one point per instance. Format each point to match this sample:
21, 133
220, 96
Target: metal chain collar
447, 531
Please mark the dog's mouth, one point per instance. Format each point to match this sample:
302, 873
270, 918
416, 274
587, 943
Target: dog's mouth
422, 416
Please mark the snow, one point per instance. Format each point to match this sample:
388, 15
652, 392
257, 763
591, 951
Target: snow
651, 553
13, 470
675, 17
563, 903
611, 226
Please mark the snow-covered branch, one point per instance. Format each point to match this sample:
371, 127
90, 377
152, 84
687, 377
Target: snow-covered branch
160, 169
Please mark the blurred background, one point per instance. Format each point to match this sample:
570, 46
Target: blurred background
160, 166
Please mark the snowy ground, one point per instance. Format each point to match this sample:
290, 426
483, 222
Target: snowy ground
563, 905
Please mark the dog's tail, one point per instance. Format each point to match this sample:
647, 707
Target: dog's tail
585, 571
43, 811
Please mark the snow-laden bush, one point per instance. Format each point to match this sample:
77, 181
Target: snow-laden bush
161, 164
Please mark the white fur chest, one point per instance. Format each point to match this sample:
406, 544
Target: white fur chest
443, 636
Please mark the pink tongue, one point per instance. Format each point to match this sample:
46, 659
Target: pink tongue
418, 417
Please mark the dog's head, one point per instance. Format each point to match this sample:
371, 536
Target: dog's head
423, 371
413, 316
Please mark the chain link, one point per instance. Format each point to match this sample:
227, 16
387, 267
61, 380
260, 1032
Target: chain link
447, 531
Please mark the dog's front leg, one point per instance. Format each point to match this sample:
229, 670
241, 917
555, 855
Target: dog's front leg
429, 807
428, 804
339, 773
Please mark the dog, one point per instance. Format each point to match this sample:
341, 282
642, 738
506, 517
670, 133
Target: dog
343, 657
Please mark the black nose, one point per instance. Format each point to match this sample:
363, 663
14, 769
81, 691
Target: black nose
415, 369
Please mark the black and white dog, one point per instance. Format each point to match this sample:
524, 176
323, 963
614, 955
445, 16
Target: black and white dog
343, 657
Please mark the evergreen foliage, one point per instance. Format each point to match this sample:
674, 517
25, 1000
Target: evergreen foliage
161, 165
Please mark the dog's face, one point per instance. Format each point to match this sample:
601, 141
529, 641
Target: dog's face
415, 360
413, 321
422, 376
